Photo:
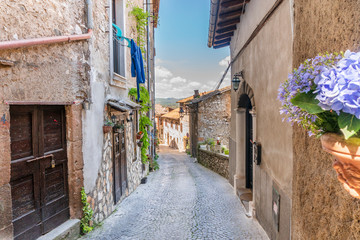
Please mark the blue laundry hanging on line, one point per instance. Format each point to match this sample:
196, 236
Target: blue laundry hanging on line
137, 66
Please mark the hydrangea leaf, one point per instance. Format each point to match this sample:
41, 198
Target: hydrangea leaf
307, 102
349, 124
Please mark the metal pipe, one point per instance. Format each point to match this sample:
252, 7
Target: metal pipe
56, 39
90, 22
44, 40
148, 73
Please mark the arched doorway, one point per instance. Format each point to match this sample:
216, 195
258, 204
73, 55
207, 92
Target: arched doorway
245, 103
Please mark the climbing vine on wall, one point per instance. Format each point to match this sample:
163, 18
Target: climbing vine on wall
141, 17
144, 121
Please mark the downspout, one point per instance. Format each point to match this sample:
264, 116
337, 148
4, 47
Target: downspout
148, 73
49, 40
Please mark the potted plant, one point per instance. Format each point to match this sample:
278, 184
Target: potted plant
108, 125
323, 95
139, 135
217, 145
211, 144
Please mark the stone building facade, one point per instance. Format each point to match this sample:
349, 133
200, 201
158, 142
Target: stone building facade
294, 177
210, 118
57, 76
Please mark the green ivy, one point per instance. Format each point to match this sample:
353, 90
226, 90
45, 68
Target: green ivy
144, 121
141, 17
87, 214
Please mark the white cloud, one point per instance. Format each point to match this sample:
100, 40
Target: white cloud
169, 86
194, 84
225, 62
162, 72
178, 80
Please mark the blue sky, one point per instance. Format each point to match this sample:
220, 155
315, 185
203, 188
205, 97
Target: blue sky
183, 60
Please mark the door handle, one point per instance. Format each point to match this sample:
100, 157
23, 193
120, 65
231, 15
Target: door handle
40, 158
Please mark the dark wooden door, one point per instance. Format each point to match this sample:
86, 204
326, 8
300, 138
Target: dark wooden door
249, 147
120, 168
38, 169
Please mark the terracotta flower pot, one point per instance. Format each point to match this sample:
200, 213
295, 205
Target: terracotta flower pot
139, 135
107, 129
347, 160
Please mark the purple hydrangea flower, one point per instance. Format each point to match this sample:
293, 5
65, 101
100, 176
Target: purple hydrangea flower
303, 79
338, 88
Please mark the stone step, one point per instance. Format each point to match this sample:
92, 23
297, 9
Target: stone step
245, 196
69, 230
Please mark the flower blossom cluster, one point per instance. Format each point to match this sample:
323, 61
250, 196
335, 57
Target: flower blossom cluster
302, 80
338, 88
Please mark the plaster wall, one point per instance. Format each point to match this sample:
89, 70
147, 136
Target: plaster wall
266, 62
104, 85
317, 195
254, 12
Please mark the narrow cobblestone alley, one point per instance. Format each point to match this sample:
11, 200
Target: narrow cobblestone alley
183, 200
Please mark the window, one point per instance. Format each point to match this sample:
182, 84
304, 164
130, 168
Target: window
119, 47
181, 129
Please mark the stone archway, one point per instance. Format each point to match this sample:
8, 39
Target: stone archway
245, 130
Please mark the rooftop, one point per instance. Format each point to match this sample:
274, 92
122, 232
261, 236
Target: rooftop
224, 16
174, 114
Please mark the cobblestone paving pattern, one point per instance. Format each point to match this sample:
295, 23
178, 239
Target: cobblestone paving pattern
182, 200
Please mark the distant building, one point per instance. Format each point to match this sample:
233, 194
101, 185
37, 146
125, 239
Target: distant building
175, 129
209, 117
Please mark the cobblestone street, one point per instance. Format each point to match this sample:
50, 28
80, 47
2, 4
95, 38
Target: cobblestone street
182, 200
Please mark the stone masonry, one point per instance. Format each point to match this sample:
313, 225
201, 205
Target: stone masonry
217, 162
101, 198
214, 118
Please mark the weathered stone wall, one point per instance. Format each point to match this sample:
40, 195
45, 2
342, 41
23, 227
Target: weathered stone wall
101, 198
321, 208
214, 118
46, 73
217, 162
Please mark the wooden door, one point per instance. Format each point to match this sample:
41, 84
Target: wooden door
120, 168
249, 147
38, 169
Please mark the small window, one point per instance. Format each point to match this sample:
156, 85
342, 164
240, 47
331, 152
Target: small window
181, 128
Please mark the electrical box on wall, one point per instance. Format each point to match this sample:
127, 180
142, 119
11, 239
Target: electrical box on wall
257, 153
276, 208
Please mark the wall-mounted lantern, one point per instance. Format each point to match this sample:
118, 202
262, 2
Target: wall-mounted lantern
130, 117
236, 80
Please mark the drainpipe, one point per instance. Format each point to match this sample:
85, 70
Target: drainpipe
49, 40
148, 73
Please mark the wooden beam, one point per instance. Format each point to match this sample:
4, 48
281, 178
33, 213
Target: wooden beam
232, 14
222, 41
218, 37
222, 45
226, 29
229, 22
232, 3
